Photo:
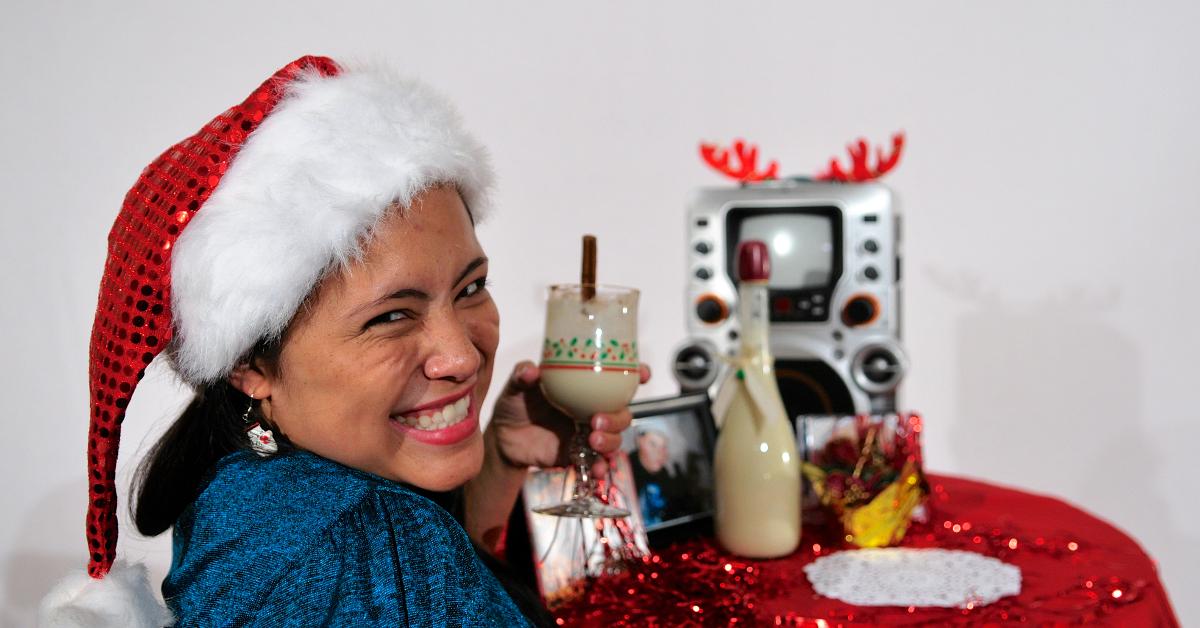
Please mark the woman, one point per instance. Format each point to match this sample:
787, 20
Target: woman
308, 262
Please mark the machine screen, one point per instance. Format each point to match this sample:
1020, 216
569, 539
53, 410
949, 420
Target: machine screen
801, 246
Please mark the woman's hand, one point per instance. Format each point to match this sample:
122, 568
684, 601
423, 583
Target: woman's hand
529, 431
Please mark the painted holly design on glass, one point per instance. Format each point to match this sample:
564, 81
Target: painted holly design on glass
577, 350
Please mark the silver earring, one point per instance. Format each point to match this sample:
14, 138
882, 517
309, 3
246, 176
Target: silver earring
262, 441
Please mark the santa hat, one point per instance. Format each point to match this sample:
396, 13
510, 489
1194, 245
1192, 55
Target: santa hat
224, 235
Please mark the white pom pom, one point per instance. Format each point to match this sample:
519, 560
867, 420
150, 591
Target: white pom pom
122, 598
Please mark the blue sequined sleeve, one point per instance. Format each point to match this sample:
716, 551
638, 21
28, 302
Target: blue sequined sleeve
346, 550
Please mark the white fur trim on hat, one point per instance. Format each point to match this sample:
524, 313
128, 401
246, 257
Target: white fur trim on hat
123, 598
306, 187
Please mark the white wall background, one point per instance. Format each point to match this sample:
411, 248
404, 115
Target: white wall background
1049, 190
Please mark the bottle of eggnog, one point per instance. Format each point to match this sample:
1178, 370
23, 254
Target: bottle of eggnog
756, 469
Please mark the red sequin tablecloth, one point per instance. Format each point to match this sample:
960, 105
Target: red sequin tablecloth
1074, 568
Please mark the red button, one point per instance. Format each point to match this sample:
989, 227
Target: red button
781, 304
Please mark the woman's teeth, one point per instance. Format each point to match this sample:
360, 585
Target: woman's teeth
443, 418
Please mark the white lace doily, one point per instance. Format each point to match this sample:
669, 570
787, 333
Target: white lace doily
913, 577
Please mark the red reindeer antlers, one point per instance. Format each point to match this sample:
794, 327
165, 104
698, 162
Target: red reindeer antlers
747, 158
860, 169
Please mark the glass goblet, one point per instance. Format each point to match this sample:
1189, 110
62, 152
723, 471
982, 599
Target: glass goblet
589, 365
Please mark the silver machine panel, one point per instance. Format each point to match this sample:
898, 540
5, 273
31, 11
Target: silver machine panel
835, 290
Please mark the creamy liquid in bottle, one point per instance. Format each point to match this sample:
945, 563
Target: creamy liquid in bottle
756, 469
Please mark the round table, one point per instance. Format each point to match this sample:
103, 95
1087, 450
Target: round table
1074, 568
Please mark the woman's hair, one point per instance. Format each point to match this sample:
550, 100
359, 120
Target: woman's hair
173, 473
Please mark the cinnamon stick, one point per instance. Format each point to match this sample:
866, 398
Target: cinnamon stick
588, 276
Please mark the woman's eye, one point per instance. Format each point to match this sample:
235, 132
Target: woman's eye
474, 288
389, 317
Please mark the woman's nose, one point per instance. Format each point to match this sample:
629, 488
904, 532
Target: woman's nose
452, 353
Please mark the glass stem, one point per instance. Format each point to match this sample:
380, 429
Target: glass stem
582, 454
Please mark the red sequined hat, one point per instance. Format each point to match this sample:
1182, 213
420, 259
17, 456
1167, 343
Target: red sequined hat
223, 236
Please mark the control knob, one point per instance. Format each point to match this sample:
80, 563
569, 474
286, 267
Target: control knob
860, 310
711, 309
696, 365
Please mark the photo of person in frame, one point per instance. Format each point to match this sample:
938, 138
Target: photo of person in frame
672, 467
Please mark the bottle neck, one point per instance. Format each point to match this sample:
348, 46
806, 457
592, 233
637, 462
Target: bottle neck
755, 317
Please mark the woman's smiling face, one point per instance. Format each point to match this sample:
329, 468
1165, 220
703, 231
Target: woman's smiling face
387, 368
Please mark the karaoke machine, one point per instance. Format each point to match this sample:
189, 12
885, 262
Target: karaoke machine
834, 291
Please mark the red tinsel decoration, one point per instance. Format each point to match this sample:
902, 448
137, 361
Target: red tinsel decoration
1093, 573
693, 584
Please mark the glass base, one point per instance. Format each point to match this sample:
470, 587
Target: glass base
583, 508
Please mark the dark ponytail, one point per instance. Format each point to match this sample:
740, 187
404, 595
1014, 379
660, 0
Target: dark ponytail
173, 473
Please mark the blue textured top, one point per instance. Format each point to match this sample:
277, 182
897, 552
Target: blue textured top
298, 540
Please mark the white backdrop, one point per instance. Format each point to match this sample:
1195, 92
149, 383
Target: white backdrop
1048, 192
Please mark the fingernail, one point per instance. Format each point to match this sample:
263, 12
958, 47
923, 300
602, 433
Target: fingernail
599, 422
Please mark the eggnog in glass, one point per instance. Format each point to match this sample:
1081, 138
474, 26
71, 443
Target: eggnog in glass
589, 365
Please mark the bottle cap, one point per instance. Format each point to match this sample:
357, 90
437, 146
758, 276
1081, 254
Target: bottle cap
754, 261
